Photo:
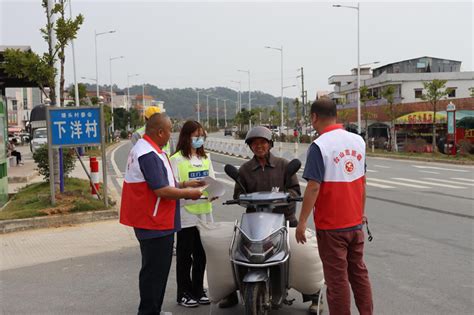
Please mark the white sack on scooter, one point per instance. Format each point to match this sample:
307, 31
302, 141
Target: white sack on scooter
216, 238
306, 269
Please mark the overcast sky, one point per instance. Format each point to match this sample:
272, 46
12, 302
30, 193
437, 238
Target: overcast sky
203, 44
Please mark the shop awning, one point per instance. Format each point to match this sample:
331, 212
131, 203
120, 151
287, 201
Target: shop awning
13, 129
419, 118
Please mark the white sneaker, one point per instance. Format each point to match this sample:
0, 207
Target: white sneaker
313, 308
187, 301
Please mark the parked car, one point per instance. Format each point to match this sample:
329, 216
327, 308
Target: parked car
227, 132
40, 137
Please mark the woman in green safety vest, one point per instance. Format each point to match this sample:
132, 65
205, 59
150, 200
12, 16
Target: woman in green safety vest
190, 161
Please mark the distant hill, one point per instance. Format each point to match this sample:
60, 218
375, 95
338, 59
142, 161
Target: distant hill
181, 103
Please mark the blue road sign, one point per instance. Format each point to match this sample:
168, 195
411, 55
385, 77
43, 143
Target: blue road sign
75, 126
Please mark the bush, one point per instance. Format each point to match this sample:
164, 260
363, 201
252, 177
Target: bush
240, 134
306, 139
123, 134
42, 160
465, 147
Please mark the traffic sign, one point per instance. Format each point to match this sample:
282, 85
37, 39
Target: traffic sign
75, 126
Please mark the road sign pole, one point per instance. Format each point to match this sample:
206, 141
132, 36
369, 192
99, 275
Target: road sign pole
102, 146
50, 157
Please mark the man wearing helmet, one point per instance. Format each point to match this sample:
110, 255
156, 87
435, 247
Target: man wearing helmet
266, 172
138, 134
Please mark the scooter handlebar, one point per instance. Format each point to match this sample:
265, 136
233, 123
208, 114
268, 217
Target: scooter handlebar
231, 202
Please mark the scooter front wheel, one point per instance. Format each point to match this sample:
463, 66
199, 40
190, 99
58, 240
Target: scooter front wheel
254, 299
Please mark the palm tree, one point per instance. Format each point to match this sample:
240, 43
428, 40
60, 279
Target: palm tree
435, 91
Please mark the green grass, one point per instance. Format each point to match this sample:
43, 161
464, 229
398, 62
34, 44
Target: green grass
433, 156
34, 200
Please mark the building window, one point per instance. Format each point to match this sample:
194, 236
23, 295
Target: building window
14, 105
451, 92
418, 93
25, 105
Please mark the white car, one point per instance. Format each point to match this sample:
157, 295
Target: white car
40, 137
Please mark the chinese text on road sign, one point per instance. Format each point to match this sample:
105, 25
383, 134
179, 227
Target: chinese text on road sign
75, 126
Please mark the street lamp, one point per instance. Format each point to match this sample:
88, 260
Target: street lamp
111, 90
198, 108
358, 59
217, 112
96, 64
281, 105
239, 99
128, 88
250, 100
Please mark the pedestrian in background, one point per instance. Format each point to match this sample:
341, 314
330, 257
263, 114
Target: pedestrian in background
13, 152
191, 162
150, 204
138, 134
335, 171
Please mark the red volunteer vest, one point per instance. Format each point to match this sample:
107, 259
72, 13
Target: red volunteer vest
140, 207
340, 200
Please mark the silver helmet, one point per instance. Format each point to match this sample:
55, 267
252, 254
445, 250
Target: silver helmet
259, 132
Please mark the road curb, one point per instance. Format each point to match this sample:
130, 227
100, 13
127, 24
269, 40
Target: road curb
9, 226
420, 159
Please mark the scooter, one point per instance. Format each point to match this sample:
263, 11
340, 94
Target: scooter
260, 248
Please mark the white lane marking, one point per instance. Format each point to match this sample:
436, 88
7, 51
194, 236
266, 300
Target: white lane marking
429, 172
369, 183
463, 179
448, 181
226, 181
397, 183
228, 155
118, 173
372, 171
427, 183
381, 166
441, 168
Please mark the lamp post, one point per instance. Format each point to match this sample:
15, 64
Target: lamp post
112, 91
96, 63
198, 108
239, 99
281, 68
128, 88
217, 112
207, 109
250, 100
357, 8
225, 113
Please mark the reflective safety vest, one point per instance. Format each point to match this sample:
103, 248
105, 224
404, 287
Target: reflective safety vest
140, 206
186, 172
140, 132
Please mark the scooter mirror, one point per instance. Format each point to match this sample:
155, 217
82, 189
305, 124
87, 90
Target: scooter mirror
233, 173
291, 169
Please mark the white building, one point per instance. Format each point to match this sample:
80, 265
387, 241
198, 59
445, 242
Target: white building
407, 77
20, 102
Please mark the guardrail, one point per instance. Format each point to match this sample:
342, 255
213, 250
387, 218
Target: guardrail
238, 148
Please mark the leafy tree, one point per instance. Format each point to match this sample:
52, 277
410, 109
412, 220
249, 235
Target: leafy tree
297, 105
435, 91
344, 114
388, 93
82, 92
121, 117
136, 120
364, 98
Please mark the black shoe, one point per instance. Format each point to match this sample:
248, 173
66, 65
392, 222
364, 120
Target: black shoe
229, 301
187, 301
204, 300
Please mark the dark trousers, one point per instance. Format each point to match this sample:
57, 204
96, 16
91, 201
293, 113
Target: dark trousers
157, 254
343, 264
190, 263
17, 155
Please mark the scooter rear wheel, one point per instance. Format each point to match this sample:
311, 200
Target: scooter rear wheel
255, 303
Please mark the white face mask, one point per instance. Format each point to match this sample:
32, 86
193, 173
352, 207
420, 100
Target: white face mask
197, 142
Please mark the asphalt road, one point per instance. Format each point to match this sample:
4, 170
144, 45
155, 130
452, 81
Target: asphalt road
420, 262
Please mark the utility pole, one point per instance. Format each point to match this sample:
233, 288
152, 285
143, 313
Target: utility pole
302, 92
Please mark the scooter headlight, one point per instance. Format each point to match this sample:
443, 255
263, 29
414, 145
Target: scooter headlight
258, 252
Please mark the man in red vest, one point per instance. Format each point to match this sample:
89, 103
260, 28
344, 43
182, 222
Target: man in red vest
335, 171
150, 204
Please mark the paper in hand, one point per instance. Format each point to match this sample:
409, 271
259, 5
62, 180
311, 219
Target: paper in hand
213, 187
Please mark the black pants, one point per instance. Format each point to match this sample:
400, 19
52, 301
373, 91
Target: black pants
18, 156
157, 254
190, 263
